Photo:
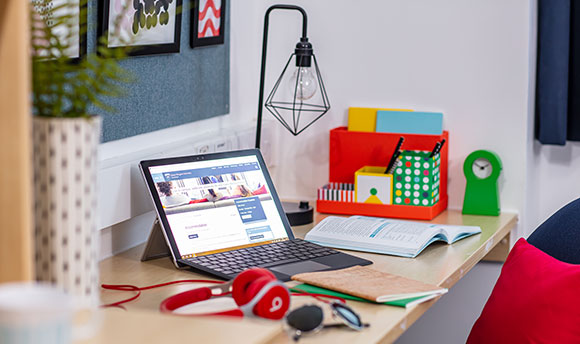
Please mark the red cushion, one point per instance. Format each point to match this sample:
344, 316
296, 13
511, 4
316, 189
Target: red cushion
535, 300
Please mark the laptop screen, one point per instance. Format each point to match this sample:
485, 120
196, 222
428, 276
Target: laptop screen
217, 205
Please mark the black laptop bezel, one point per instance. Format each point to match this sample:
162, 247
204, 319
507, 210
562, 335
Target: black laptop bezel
146, 164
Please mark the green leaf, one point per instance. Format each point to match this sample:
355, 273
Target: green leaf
61, 88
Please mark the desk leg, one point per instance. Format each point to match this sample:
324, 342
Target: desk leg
500, 252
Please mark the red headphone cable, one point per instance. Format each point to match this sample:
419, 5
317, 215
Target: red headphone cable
128, 287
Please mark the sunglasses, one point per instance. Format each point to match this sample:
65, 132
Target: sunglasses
309, 319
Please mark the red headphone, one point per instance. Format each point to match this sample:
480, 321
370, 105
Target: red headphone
256, 291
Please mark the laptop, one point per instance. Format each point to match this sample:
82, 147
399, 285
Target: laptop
220, 214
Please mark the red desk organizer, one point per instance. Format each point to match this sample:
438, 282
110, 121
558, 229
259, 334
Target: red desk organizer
350, 150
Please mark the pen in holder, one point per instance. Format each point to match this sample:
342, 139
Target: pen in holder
395, 156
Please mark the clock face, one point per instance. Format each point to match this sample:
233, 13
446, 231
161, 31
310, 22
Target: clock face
482, 168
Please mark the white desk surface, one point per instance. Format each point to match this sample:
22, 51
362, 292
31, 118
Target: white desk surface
439, 264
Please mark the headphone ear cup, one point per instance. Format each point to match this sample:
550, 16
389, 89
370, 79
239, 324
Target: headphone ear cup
254, 288
274, 304
246, 279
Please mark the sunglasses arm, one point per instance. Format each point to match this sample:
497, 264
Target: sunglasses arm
342, 325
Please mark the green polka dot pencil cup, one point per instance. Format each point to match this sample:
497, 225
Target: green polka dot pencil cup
416, 179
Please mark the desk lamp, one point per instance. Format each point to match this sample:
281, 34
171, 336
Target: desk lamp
297, 100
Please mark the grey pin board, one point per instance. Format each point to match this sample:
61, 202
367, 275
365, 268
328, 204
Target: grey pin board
169, 90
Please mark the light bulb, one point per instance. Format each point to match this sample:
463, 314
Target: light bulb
306, 86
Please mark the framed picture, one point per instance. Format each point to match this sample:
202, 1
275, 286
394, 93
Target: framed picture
208, 22
146, 27
72, 32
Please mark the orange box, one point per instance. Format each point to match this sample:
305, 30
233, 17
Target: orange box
351, 150
382, 210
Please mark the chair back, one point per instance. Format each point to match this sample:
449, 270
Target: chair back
559, 235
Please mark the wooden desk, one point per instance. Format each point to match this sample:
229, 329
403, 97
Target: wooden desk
439, 264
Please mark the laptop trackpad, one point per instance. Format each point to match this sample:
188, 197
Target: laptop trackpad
296, 268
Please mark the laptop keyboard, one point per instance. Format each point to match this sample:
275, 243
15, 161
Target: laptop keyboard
283, 252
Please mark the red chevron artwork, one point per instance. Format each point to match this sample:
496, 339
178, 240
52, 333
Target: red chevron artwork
208, 25
209, 18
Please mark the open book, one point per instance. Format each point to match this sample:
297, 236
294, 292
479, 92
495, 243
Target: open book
386, 236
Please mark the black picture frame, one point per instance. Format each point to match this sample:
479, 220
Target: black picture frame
136, 49
196, 41
81, 30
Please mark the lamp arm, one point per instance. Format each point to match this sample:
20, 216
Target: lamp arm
264, 49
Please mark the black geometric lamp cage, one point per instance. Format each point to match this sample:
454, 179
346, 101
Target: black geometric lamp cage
298, 98
305, 107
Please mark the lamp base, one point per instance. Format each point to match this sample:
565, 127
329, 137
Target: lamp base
298, 213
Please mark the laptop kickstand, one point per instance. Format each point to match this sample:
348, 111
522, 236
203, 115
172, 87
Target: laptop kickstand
156, 245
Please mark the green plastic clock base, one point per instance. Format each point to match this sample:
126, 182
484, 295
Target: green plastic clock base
481, 200
481, 194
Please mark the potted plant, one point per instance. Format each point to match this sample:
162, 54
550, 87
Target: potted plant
66, 136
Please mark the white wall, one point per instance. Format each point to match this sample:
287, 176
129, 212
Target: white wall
472, 60
552, 172
554, 180
468, 59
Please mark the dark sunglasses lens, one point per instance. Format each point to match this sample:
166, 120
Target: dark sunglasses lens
305, 318
348, 314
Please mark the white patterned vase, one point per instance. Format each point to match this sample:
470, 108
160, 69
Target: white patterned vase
65, 194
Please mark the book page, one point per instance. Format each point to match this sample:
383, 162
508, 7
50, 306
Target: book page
382, 235
385, 232
455, 233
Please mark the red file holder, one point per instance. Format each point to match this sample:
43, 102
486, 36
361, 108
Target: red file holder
350, 150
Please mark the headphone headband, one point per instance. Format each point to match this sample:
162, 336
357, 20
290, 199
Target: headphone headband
254, 284
179, 300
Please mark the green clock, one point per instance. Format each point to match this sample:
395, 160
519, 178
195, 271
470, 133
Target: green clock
481, 169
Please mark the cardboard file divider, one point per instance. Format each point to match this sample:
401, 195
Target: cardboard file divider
351, 150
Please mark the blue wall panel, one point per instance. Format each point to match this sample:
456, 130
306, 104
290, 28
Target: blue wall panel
169, 89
